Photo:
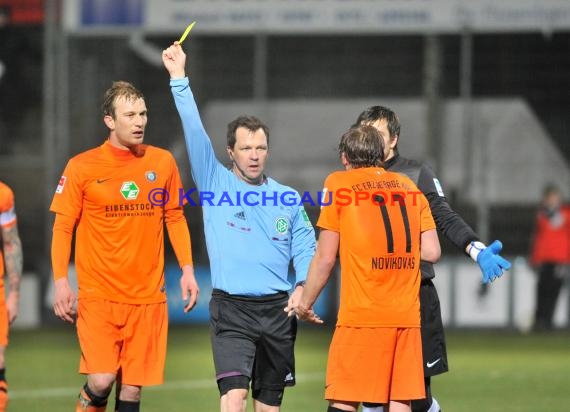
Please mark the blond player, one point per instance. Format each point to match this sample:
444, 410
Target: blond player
118, 197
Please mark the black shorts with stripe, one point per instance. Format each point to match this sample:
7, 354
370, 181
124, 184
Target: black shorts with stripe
253, 337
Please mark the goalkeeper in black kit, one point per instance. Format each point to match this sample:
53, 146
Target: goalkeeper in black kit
450, 224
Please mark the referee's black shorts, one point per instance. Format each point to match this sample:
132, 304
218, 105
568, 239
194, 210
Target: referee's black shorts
253, 337
433, 338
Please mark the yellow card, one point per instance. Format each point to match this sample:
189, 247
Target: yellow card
186, 32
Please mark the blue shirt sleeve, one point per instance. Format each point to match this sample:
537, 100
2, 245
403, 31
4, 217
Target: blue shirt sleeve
303, 244
203, 162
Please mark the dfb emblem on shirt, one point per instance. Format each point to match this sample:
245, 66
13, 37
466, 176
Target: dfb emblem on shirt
281, 225
150, 176
129, 190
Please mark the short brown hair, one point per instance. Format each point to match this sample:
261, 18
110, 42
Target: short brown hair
377, 113
362, 146
251, 123
119, 89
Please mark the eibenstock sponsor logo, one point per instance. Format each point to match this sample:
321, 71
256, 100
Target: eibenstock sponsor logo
130, 190
129, 210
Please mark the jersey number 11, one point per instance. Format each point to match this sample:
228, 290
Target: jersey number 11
396, 198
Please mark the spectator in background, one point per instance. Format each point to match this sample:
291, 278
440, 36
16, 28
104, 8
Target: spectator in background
550, 254
4, 16
21, 65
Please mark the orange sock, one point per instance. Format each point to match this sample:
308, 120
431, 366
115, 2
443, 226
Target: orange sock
84, 404
3, 395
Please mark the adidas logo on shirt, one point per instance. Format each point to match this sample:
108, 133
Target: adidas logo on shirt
240, 215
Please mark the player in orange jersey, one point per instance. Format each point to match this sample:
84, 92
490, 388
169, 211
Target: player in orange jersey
452, 226
10, 255
382, 226
118, 196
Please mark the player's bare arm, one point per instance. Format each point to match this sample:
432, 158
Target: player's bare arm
319, 272
430, 250
13, 256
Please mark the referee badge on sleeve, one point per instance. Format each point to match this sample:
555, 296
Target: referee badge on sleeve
306, 218
438, 187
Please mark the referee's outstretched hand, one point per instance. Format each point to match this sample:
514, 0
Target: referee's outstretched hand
492, 264
174, 60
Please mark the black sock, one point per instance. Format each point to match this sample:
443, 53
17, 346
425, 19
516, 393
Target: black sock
95, 400
3, 383
128, 406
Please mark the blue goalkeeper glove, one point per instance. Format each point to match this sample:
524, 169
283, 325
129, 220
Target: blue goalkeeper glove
492, 264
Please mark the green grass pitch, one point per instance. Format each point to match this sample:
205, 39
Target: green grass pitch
490, 371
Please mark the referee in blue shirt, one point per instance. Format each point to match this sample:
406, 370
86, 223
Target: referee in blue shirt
254, 227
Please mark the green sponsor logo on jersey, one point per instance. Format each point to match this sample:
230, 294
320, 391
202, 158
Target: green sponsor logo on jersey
130, 190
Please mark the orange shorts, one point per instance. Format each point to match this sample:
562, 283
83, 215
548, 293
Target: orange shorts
375, 365
115, 336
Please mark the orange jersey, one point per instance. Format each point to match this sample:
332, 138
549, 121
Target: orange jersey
7, 219
117, 201
380, 216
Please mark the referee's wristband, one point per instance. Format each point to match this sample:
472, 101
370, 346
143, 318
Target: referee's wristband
300, 283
